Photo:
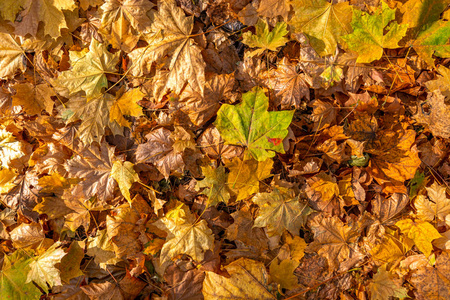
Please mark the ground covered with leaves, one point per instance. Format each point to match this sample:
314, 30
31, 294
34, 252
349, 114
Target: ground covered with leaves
241, 149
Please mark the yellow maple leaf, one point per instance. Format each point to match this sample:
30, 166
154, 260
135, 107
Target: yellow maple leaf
126, 105
422, 233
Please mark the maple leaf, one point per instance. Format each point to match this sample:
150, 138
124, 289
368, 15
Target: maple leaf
442, 82
127, 288
368, 38
42, 269
265, 39
101, 248
290, 87
34, 98
10, 148
283, 273
248, 280
215, 184
433, 40
121, 227
433, 282
80, 209
89, 67
125, 175
332, 239
185, 236
170, 35
12, 55
13, 278
243, 230
84, 4
7, 177
94, 115
199, 107
33, 12
94, 165
422, 233
245, 175
126, 105
27, 235
391, 248
213, 146
274, 8
123, 20
185, 284
249, 124
322, 22
437, 206
435, 118
70, 263
384, 285
159, 151
280, 210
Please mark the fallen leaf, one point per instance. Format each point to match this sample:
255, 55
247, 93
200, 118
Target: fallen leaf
245, 175
384, 285
265, 39
88, 72
280, 210
215, 184
249, 124
248, 280
436, 206
422, 233
322, 22
34, 98
10, 148
378, 31
126, 105
125, 175
283, 273
332, 239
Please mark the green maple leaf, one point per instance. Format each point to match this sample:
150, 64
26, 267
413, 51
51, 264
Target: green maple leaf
368, 38
322, 22
433, 39
215, 184
249, 124
88, 70
265, 39
13, 277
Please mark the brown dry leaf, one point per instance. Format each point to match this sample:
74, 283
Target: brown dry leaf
289, 86
248, 280
332, 239
212, 144
433, 113
159, 151
324, 114
202, 107
34, 98
123, 20
170, 35
442, 83
80, 209
436, 206
128, 288
12, 56
185, 284
93, 164
27, 235
122, 229
433, 282
243, 229
274, 8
